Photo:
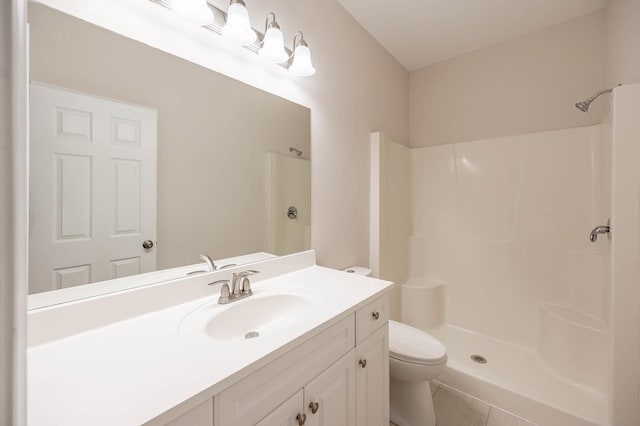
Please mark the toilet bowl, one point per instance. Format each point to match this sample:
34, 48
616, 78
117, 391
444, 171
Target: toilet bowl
415, 358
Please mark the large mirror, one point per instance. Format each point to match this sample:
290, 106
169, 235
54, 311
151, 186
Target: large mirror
141, 161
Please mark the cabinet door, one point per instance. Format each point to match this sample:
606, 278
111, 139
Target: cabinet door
286, 414
330, 398
372, 379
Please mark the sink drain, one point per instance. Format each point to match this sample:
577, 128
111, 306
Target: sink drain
478, 358
254, 334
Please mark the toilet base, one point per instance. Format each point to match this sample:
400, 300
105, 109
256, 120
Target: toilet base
411, 403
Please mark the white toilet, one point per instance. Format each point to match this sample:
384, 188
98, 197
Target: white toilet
415, 358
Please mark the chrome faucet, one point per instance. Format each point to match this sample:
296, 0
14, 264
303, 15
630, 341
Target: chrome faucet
602, 229
212, 265
240, 287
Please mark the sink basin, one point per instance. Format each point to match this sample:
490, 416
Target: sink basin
259, 315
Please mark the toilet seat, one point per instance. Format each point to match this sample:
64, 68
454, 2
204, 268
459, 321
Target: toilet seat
409, 344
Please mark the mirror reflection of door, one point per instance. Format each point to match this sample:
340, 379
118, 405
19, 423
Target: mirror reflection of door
92, 189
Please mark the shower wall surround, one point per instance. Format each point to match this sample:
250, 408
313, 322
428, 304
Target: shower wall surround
504, 223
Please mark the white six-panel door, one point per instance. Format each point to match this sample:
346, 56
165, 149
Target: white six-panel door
92, 200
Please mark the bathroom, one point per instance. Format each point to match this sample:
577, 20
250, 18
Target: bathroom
448, 156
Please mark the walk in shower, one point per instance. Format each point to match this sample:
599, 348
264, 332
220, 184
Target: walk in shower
500, 265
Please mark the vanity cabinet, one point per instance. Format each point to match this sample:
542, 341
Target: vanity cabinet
256, 396
287, 414
339, 377
328, 400
201, 415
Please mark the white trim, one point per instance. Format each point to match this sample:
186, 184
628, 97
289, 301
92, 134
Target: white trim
374, 204
13, 214
625, 257
21, 204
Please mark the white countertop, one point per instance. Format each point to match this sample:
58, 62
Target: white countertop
132, 371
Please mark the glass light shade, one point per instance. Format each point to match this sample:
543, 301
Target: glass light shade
301, 65
238, 28
273, 47
195, 11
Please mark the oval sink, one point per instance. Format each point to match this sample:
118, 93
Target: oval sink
263, 315
259, 315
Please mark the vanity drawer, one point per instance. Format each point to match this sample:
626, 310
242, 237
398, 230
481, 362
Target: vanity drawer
371, 317
252, 398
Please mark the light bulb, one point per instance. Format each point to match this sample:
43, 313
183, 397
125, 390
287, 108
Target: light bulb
238, 27
273, 47
301, 65
195, 11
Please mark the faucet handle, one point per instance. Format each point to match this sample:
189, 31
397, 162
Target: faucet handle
224, 291
230, 265
245, 288
220, 282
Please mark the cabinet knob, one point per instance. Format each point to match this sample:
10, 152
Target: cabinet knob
375, 315
314, 407
301, 418
363, 363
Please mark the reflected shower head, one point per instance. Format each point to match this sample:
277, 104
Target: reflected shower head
584, 105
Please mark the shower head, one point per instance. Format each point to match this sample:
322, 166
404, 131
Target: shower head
297, 151
584, 105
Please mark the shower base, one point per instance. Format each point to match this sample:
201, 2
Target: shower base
514, 378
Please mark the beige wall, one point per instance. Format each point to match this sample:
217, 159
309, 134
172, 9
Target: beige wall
523, 85
213, 132
623, 42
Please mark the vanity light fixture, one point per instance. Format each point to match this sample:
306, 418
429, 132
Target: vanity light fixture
301, 64
196, 11
238, 29
273, 42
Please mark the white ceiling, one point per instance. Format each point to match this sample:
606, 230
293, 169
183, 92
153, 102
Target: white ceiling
422, 32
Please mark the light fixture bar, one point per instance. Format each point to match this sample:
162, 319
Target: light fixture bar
220, 17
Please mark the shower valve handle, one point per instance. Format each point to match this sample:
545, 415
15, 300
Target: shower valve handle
602, 229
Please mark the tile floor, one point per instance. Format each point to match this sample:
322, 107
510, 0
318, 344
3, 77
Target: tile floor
454, 408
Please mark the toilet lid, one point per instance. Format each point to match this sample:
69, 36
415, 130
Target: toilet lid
410, 344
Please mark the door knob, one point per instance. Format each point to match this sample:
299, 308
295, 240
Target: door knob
147, 244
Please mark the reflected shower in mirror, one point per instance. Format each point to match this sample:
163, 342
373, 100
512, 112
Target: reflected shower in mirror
141, 161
